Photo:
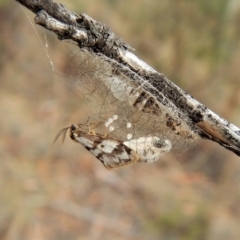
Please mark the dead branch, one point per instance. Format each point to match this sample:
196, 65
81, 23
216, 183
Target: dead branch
98, 39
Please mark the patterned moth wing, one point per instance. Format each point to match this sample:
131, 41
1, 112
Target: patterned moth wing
112, 153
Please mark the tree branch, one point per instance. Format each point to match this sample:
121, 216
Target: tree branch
97, 39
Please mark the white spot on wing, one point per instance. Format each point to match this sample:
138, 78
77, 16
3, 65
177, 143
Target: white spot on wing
108, 145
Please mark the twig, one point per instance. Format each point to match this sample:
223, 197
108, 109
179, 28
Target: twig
98, 39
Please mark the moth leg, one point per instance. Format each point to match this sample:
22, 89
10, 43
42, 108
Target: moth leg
91, 131
91, 128
105, 135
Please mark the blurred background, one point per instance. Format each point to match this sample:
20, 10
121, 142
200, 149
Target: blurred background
63, 192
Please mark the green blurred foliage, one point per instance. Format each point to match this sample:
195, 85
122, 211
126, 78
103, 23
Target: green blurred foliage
176, 224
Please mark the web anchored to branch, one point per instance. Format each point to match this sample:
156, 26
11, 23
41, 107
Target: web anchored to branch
124, 86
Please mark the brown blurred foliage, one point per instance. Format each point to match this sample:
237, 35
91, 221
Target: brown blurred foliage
61, 191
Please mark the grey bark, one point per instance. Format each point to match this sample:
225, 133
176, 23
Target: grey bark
98, 39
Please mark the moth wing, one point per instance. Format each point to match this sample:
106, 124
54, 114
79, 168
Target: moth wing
112, 153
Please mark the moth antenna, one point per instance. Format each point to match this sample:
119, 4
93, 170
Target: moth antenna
62, 131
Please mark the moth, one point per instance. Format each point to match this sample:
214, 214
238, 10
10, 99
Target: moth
114, 153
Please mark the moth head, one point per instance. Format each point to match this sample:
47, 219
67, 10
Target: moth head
73, 127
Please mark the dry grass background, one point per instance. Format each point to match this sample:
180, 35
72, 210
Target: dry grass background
61, 191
